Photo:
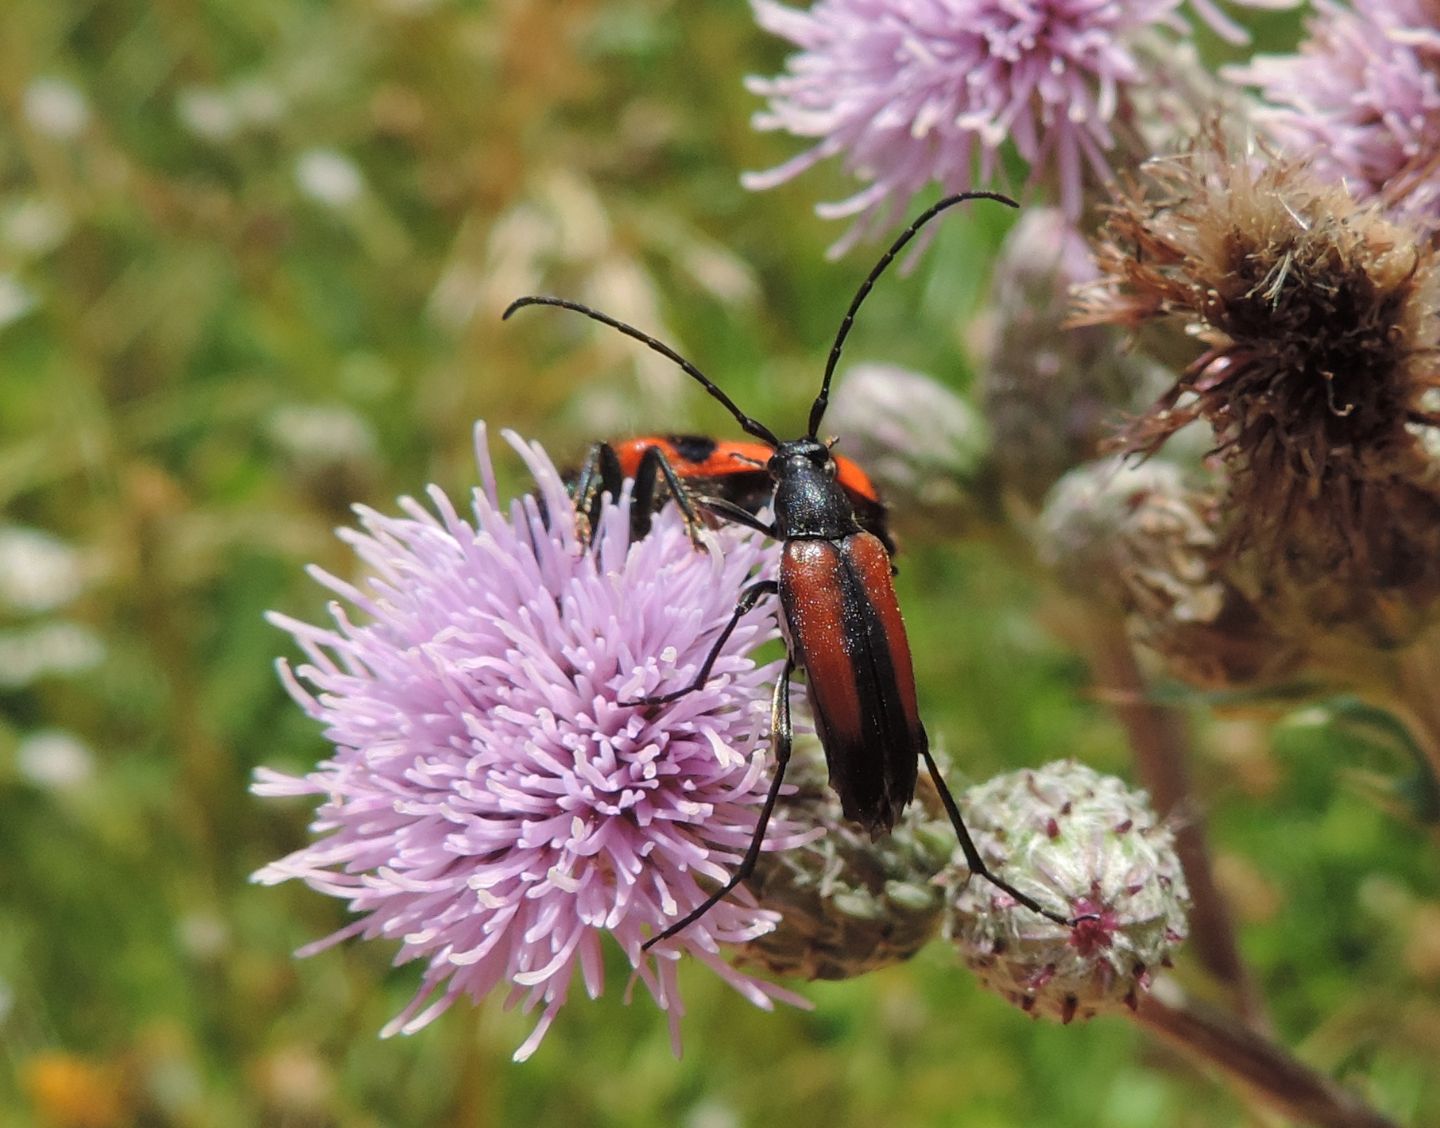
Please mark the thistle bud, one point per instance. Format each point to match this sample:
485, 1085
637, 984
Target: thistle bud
848, 904
1087, 518
1136, 538
925, 447
1052, 393
1067, 835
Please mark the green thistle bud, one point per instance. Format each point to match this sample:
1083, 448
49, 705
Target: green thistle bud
849, 904
1067, 835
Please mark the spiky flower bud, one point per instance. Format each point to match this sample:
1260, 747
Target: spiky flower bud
1065, 834
1087, 518
1322, 325
1052, 393
1135, 537
925, 447
848, 904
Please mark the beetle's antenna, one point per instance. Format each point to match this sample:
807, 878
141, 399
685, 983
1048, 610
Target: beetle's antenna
751, 426
817, 410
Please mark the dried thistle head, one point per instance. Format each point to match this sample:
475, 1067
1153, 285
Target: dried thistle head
1321, 321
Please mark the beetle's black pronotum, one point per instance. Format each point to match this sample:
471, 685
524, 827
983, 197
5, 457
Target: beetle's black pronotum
841, 615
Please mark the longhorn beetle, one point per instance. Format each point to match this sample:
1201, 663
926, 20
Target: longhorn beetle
691, 466
840, 611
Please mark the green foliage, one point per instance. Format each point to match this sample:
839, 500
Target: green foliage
258, 278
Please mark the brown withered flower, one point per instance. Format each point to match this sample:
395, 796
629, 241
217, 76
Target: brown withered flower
1320, 326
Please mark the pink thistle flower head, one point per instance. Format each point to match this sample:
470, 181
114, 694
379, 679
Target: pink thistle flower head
491, 804
911, 91
1361, 101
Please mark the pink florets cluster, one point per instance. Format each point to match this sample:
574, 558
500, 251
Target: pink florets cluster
1361, 100
490, 803
913, 91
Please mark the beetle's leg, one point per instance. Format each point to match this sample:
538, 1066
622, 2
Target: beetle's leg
599, 476
723, 507
653, 463
978, 868
748, 598
780, 737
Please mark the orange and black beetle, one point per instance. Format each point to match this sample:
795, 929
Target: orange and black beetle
838, 600
686, 465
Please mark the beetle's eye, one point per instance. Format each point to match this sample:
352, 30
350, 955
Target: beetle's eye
830, 468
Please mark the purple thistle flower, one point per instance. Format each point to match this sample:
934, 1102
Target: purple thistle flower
1361, 101
912, 91
490, 803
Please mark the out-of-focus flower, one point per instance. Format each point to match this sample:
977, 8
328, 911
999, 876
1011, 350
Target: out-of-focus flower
34, 226
1088, 515
330, 448
491, 804
203, 935
295, 1084
1137, 539
52, 648
56, 108
849, 904
1322, 321
38, 571
1052, 392
16, 299
329, 177
1066, 834
925, 447
913, 91
54, 759
1361, 101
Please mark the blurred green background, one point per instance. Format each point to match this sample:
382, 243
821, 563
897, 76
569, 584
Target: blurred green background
252, 260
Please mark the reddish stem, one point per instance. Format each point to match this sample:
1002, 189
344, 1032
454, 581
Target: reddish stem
1264, 1069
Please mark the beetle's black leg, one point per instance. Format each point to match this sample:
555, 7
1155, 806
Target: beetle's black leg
748, 598
972, 856
599, 476
724, 507
780, 738
646, 491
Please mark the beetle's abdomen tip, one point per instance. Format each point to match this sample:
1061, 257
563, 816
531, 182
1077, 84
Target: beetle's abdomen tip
878, 821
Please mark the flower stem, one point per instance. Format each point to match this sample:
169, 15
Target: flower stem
1419, 696
1263, 1068
1160, 741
